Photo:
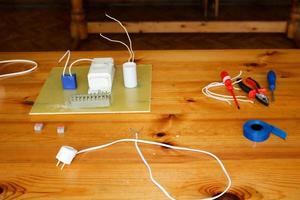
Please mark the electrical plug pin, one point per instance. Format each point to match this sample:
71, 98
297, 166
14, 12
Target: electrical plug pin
65, 155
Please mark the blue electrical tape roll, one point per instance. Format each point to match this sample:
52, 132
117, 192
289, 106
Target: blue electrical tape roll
259, 131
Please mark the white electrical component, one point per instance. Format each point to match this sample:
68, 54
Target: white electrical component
60, 130
129, 74
101, 99
38, 127
101, 75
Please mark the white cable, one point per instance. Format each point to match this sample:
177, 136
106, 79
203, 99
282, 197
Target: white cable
168, 146
35, 65
237, 76
118, 41
129, 39
77, 61
149, 169
68, 52
206, 91
221, 97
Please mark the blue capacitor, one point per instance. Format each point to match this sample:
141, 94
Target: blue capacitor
69, 82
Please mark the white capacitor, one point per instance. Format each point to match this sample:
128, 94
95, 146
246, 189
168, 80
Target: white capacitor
130, 74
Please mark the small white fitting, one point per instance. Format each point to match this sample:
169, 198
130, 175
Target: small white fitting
38, 127
60, 130
130, 74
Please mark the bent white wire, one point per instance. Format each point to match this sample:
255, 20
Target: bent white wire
129, 39
68, 52
168, 146
150, 170
118, 41
35, 65
77, 61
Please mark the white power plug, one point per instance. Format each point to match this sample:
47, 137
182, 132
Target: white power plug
65, 155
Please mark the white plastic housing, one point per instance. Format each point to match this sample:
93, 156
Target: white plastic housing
66, 154
101, 75
130, 74
60, 129
38, 127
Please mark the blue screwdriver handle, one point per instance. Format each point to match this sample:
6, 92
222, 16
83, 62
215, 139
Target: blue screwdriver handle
272, 80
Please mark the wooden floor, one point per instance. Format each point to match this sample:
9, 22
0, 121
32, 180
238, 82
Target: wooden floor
44, 29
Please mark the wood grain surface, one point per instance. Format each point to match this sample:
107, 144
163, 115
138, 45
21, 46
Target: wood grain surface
180, 115
191, 27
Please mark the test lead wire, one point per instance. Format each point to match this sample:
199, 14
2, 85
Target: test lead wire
207, 92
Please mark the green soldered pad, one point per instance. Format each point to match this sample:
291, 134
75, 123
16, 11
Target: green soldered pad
53, 99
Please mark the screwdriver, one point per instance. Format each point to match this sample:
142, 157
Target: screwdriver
228, 83
272, 82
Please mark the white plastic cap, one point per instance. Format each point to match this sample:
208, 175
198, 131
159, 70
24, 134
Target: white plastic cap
38, 127
130, 74
60, 129
65, 155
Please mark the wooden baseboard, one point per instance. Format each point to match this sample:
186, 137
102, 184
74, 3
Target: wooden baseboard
191, 27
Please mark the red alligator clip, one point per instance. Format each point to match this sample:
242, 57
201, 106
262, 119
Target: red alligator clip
256, 89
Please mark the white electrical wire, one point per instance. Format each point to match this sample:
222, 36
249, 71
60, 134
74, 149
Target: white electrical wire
150, 170
131, 52
68, 53
118, 41
129, 39
207, 92
77, 61
168, 146
35, 65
